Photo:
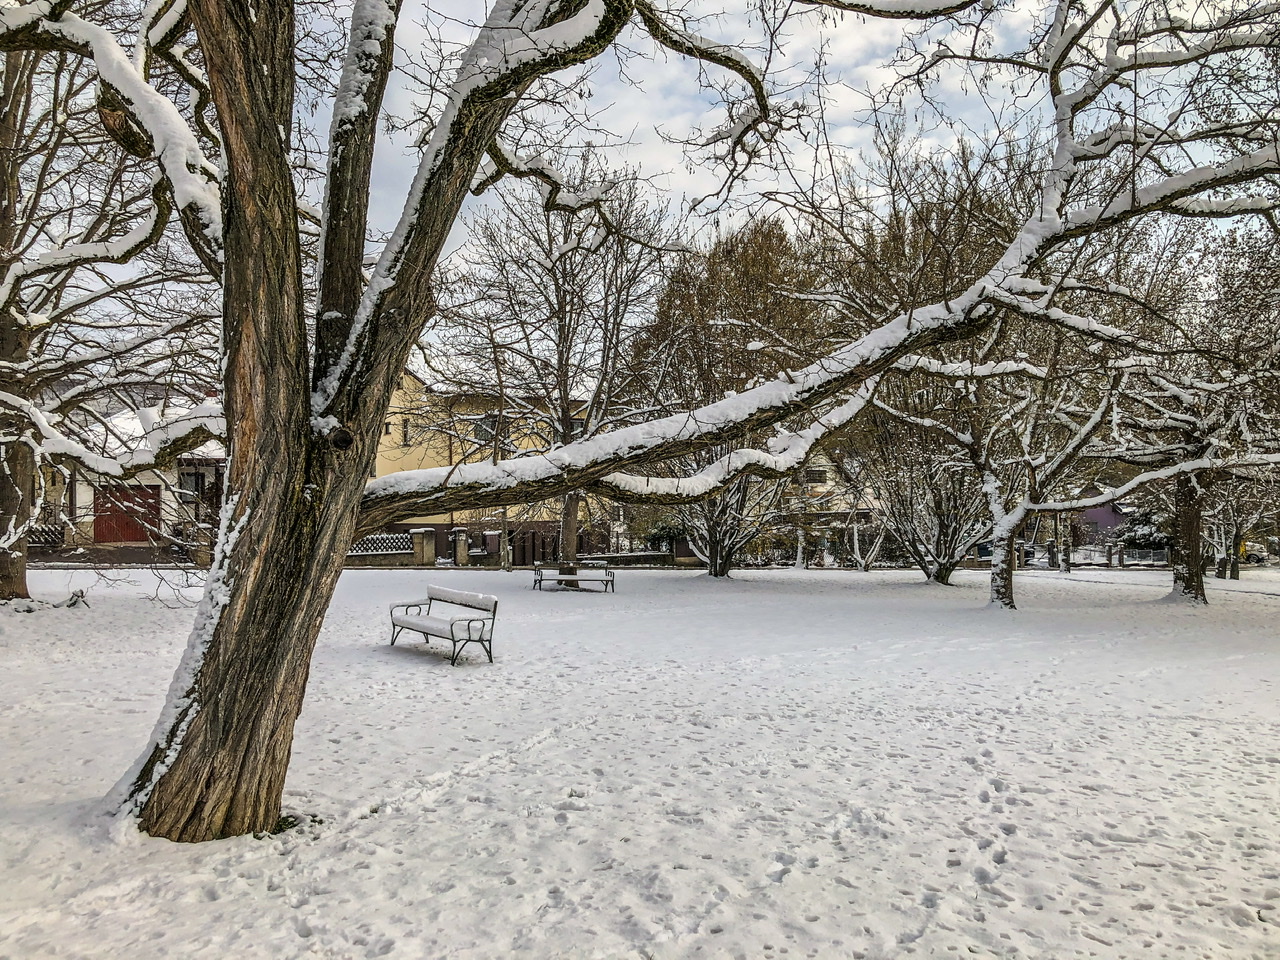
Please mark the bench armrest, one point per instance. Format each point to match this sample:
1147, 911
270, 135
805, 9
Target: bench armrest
419, 604
484, 622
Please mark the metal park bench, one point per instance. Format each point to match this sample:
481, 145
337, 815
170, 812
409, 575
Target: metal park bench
425, 617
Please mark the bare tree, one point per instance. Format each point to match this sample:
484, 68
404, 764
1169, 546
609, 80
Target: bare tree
98, 306
923, 487
545, 324
304, 403
728, 317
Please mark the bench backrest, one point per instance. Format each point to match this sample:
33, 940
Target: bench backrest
463, 598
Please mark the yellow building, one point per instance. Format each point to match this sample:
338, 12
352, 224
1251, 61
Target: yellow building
425, 429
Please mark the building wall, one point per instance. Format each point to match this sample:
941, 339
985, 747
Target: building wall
153, 504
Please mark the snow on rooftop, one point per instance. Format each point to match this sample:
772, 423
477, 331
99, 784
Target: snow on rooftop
148, 427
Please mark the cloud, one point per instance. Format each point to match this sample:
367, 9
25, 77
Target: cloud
645, 97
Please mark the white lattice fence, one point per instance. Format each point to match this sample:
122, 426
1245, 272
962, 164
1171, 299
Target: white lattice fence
382, 543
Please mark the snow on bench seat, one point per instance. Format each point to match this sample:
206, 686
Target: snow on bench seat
591, 573
458, 628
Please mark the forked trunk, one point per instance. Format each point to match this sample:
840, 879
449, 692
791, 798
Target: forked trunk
940, 572
719, 557
218, 765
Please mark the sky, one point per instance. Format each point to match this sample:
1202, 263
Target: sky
652, 94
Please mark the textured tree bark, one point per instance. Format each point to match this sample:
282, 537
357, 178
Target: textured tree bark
219, 769
16, 462
569, 528
1002, 566
1188, 566
17, 474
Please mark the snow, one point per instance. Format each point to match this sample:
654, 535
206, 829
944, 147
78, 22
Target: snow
827, 763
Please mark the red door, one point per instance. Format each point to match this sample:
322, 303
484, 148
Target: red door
125, 514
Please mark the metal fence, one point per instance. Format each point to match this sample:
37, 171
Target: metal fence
382, 543
1097, 556
1146, 556
1089, 555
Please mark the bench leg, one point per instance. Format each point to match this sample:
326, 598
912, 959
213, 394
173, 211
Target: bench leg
459, 645
395, 632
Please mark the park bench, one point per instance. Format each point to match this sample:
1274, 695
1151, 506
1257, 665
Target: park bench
588, 573
459, 629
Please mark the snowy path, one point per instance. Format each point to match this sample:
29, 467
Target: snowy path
791, 764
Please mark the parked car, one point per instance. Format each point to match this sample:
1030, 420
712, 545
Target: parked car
1257, 553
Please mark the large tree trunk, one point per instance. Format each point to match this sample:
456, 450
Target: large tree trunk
1188, 566
217, 764
218, 768
17, 478
17, 463
1003, 562
569, 528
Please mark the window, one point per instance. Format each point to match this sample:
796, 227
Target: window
404, 432
577, 427
815, 475
386, 429
190, 485
485, 427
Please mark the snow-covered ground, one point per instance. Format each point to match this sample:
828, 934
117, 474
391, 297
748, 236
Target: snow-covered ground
798, 764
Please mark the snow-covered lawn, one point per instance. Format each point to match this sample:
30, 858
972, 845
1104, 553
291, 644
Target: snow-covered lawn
804, 764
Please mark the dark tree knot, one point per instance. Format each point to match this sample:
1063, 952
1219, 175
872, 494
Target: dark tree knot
340, 439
